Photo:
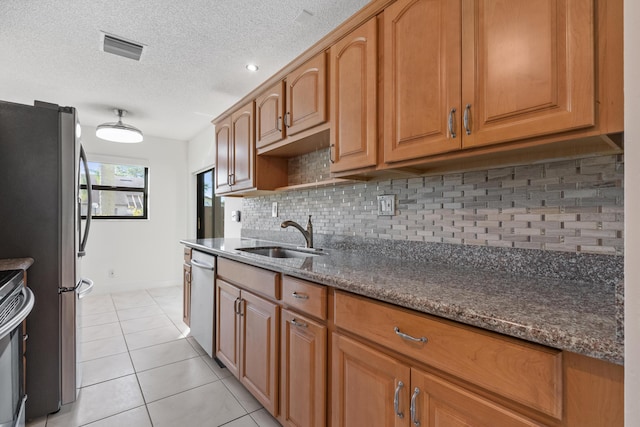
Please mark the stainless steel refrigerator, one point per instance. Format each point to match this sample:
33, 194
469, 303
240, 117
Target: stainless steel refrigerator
42, 165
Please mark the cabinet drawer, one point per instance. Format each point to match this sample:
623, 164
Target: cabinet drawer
262, 281
527, 373
187, 255
305, 296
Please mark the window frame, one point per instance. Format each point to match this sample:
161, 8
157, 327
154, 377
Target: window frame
143, 190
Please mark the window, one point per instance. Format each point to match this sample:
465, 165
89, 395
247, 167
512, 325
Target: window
120, 191
210, 219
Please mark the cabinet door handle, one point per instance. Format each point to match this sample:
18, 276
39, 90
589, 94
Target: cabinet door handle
236, 306
298, 324
452, 131
396, 400
278, 124
299, 296
331, 153
414, 398
232, 179
467, 112
409, 337
286, 120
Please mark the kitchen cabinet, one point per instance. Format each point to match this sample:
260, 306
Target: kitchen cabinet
227, 325
463, 74
303, 355
354, 81
235, 151
306, 95
186, 286
365, 386
237, 168
247, 332
270, 110
374, 389
291, 115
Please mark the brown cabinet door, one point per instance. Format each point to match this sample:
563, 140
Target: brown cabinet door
528, 68
354, 80
224, 150
438, 403
259, 327
243, 154
303, 373
186, 294
227, 306
421, 78
269, 116
306, 95
365, 386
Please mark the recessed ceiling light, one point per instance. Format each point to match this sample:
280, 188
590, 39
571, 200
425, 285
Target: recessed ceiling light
252, 67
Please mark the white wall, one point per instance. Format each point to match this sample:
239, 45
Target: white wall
142, 253
201, 156
632, 212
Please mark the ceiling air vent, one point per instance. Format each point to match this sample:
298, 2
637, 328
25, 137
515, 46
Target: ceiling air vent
122, 47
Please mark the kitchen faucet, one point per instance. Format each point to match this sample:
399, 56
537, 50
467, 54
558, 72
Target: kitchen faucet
308, 233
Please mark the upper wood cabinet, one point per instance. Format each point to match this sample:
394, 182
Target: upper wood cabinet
421, 78
306, 95
238, 170
235, 151
269, 116
528, 68
354, 81
224, 156
461, 74
291, 115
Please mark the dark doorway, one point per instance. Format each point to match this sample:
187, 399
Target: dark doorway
210, 221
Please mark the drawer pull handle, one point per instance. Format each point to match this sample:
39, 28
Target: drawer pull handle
465, 119
414, 420
299, 296
409, 337
298, 324
396, 400
452, 131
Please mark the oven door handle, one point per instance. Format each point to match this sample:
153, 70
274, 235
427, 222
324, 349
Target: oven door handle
87, 290
20, 314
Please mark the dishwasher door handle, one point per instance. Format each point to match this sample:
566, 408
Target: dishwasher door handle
201, 264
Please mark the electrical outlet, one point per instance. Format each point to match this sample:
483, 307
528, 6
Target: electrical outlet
387, 205
111, 273
274, 209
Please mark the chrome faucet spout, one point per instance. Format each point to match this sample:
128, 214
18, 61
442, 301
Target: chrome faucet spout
308, 233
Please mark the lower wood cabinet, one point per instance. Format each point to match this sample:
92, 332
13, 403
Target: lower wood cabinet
366, 384
374, 389
247, 341
303, 359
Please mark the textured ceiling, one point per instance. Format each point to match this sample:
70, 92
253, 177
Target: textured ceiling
191, 70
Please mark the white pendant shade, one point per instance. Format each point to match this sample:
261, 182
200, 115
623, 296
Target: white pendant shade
118, 131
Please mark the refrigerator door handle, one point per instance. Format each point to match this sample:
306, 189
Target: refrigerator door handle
83, 242
83, 293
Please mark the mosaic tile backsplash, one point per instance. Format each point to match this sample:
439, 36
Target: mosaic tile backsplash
569, 206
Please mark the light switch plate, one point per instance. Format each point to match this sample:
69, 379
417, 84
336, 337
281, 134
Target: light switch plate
274, 209
387, 204
235, 216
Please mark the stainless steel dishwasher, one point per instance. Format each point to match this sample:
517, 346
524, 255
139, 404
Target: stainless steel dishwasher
203, 267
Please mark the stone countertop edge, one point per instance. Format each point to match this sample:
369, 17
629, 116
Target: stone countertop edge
15, 263
552, 312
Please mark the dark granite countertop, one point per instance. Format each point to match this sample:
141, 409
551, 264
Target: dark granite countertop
570, 315
15, 263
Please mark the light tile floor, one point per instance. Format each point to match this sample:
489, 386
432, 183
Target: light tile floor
141, 368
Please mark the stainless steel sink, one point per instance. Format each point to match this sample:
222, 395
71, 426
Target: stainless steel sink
281, 252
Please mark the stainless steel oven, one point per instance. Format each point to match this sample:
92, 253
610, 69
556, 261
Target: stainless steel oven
16, 302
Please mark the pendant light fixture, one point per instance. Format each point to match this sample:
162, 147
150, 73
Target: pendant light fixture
118, 131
